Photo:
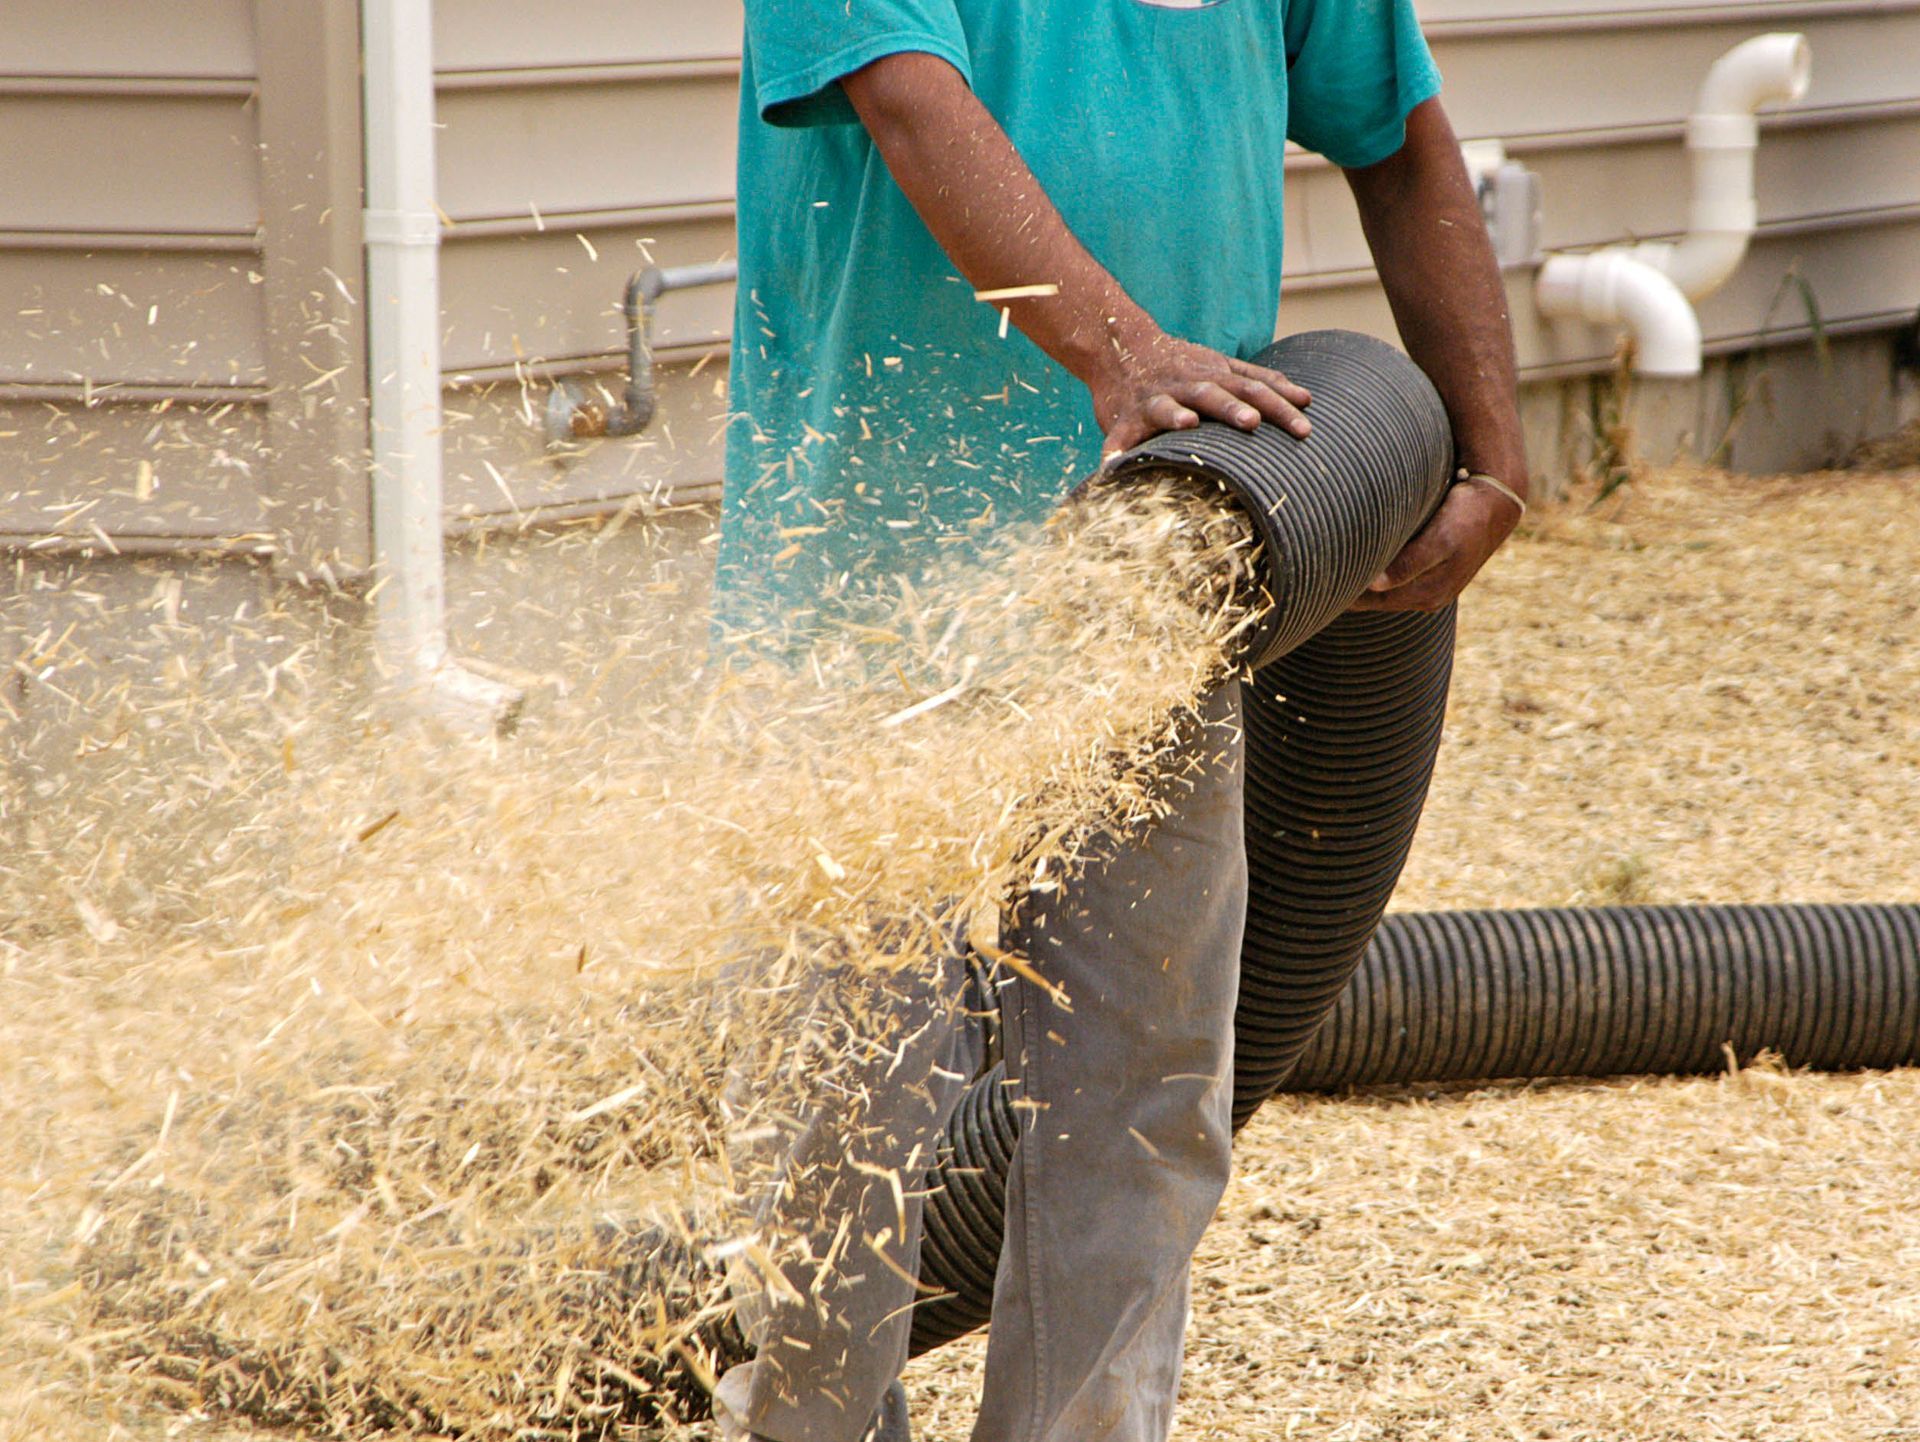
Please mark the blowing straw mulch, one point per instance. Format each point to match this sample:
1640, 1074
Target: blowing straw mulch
393, 1095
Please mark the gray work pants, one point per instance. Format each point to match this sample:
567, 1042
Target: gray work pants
1122, 1068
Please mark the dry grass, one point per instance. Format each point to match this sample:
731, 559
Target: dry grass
1899, 451
1683, 1260
1707, 691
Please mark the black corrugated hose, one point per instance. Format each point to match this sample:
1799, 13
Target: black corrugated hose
1620, 991
1343, 720
1342, 717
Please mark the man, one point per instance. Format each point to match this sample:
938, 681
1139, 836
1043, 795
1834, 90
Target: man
983, 244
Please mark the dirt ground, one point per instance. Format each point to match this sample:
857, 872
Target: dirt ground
1701, 688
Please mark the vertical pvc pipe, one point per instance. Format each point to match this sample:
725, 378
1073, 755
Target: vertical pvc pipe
403, 324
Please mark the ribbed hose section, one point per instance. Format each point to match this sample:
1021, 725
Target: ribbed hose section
1341, 736
966, 1214
1334, 509
1342, 719
1341, 739
1469, 996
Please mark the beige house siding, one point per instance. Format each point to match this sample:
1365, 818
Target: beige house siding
129, 262
179, 227
574, 151
181, 352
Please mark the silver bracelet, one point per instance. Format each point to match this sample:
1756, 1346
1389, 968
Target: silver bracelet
1463, 477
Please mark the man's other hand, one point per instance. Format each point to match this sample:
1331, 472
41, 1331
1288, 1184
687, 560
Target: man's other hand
1436, 565
1160, 383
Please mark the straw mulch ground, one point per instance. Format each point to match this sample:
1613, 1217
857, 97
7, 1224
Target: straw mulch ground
1707, 688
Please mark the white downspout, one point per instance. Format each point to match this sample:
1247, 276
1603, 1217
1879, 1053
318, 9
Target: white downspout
403, 325
1650, 288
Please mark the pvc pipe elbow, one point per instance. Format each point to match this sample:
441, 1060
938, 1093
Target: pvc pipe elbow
1700, 264
1657, 313
1722, 136
1650, 288
1614, 288
1767, 69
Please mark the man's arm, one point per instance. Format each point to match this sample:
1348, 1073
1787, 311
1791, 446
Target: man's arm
1430, 243
989, 213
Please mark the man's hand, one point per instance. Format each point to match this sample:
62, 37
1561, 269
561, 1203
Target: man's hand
1436, 565
1161, 383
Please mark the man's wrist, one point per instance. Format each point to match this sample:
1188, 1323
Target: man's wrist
1506, 467
1101, 344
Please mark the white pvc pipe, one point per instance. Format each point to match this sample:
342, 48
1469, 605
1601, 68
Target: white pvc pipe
402, 226
1722, 136
1612, 288
1650, 288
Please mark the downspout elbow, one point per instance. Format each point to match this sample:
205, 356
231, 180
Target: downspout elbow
403, 345
1613, 288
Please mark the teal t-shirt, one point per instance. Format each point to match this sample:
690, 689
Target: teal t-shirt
880, 414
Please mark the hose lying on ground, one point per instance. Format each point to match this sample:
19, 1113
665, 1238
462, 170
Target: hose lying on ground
1487, 995
1621, 991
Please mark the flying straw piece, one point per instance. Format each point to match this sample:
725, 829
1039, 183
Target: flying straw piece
935, 702
1017, 292
607, 1104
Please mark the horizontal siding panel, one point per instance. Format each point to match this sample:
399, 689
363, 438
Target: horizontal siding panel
130, 163
1865, 273
1639, 189
1534, 83
495, 34
173, 320
1798, 173
84, 470
131, 37
545, 296
555, 149
1853, 273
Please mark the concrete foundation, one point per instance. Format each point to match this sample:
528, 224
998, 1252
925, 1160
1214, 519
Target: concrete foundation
1783, 409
